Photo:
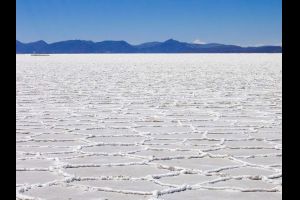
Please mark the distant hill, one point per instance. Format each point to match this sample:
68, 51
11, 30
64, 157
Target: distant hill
169, 46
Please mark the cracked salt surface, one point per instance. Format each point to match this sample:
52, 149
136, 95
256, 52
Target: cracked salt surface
155, 126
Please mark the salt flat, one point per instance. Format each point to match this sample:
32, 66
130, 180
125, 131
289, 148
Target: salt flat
149, 126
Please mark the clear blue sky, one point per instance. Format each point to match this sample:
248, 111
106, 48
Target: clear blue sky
242, 22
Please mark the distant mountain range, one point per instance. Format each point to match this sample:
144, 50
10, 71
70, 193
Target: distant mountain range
169, 46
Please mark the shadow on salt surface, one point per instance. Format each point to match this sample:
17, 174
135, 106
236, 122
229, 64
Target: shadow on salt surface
58, 136
41, 149
102, 159
164, 153
267, 134
36, 163
35, 177
118, 139
244, 184
153, 123
62, 155
117, 124
181, 136
248, 143
57, 143
170, 129
66, 192
245, 152
216, 124
187, 179
112, 148
107, 131
202, 142
131, 171
132, 185
38, 129
198, 163
161, 141
248, 171
224, 130
227, 136
264, 160
221, 195
171, 146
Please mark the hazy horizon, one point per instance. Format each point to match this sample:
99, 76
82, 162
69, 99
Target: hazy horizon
257, 45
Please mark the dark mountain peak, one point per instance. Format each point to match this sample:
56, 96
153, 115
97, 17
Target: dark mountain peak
122, 41
73, 42
171, 41
148, 44
40, 42
114, 42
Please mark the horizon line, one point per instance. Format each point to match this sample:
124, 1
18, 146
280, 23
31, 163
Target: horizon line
257, 45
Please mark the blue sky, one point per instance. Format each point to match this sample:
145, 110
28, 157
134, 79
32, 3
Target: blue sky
241, 22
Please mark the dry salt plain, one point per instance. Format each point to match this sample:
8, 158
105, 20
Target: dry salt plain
155, 126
